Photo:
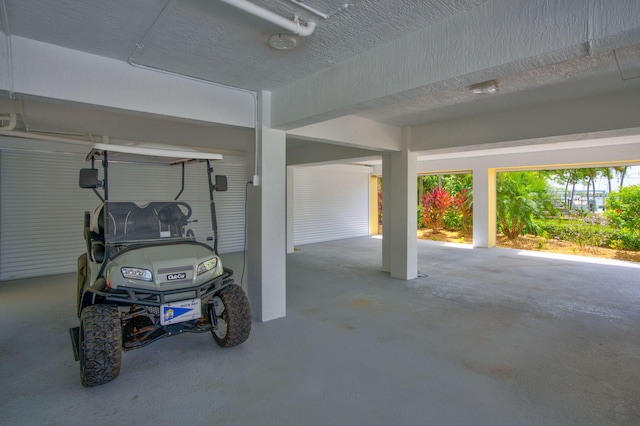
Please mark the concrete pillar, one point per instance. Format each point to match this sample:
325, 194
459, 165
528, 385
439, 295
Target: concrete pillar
290, 217
266, 226
403, 245
386, 213
484, 207
373, 206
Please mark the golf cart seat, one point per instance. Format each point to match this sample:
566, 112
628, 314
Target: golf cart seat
124, 218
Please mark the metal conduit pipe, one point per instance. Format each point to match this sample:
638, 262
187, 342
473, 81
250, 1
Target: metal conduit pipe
11, 118
294, 26
41, 137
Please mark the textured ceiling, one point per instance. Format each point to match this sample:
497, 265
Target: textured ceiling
587, 76
213, 41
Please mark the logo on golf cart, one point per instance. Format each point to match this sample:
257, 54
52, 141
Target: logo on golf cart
180, 276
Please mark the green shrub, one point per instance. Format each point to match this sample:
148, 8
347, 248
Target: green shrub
521, 198
453, 220
622, 208
586, 233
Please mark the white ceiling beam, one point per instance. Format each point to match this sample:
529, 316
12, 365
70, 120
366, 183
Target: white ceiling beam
48, 71
498, 36
352, 131
604, 152
610, 112
324, 153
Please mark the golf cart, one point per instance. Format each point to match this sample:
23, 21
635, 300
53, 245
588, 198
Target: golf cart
151, 267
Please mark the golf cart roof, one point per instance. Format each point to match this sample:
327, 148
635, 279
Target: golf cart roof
147, 153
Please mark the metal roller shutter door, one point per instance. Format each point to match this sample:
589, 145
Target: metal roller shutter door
41, 209
41, 213
330, 203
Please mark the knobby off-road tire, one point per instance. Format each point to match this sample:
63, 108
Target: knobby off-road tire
231, 308
82, 273
100, 344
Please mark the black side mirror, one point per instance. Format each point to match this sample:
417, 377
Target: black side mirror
221, 183
89, 178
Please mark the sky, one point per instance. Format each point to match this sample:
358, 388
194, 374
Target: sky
632, 177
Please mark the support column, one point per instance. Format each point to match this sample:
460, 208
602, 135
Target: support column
290, 212
386, 213
403, 248
484, 207
373, 206
266, 226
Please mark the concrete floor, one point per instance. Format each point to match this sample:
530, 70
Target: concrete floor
486, 337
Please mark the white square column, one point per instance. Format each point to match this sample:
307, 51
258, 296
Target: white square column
400, 207
266, 220
484, 207
386, 213
290, 210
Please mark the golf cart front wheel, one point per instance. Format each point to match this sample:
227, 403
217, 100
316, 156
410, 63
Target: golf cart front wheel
100, 344
232, 323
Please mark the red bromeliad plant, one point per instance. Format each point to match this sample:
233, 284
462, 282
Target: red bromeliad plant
463, 203
435, 204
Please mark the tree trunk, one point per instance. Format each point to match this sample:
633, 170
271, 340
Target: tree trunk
573, 191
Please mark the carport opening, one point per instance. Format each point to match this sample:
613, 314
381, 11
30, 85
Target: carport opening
579, 211
444, 206
583, 211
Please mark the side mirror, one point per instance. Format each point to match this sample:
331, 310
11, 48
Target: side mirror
221, 183
89, 178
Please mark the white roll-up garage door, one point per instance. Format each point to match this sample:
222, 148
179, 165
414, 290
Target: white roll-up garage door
42, 208
330, 203
41, 213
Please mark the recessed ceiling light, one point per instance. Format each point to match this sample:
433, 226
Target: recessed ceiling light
485, 87
282, 41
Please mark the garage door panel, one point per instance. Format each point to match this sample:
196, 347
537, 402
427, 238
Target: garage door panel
42, 207
330, 203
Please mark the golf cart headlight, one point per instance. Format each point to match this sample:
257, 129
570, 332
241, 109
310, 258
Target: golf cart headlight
136, 274
207, 265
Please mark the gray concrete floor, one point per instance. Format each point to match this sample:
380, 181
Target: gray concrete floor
485, 337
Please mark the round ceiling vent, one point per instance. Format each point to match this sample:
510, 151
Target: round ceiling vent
283, 41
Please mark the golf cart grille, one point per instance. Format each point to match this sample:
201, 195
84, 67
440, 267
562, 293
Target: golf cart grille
154, 298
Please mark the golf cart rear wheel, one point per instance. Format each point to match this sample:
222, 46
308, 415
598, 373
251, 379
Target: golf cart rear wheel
100, 344
233, 316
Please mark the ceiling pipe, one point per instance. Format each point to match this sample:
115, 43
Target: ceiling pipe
11, 118
294, 26
42, 137
309, 8
7, 38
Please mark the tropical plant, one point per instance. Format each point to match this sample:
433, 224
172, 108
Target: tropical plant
621, 171
463, 206
622, 208
435, 205
521, 197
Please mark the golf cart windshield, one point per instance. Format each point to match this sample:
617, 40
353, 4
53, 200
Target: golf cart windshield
127, 222
151, 194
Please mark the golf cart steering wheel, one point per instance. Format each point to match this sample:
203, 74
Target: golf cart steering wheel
175, 213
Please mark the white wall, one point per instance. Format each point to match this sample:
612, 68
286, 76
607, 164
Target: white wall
50, 71
330, 203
